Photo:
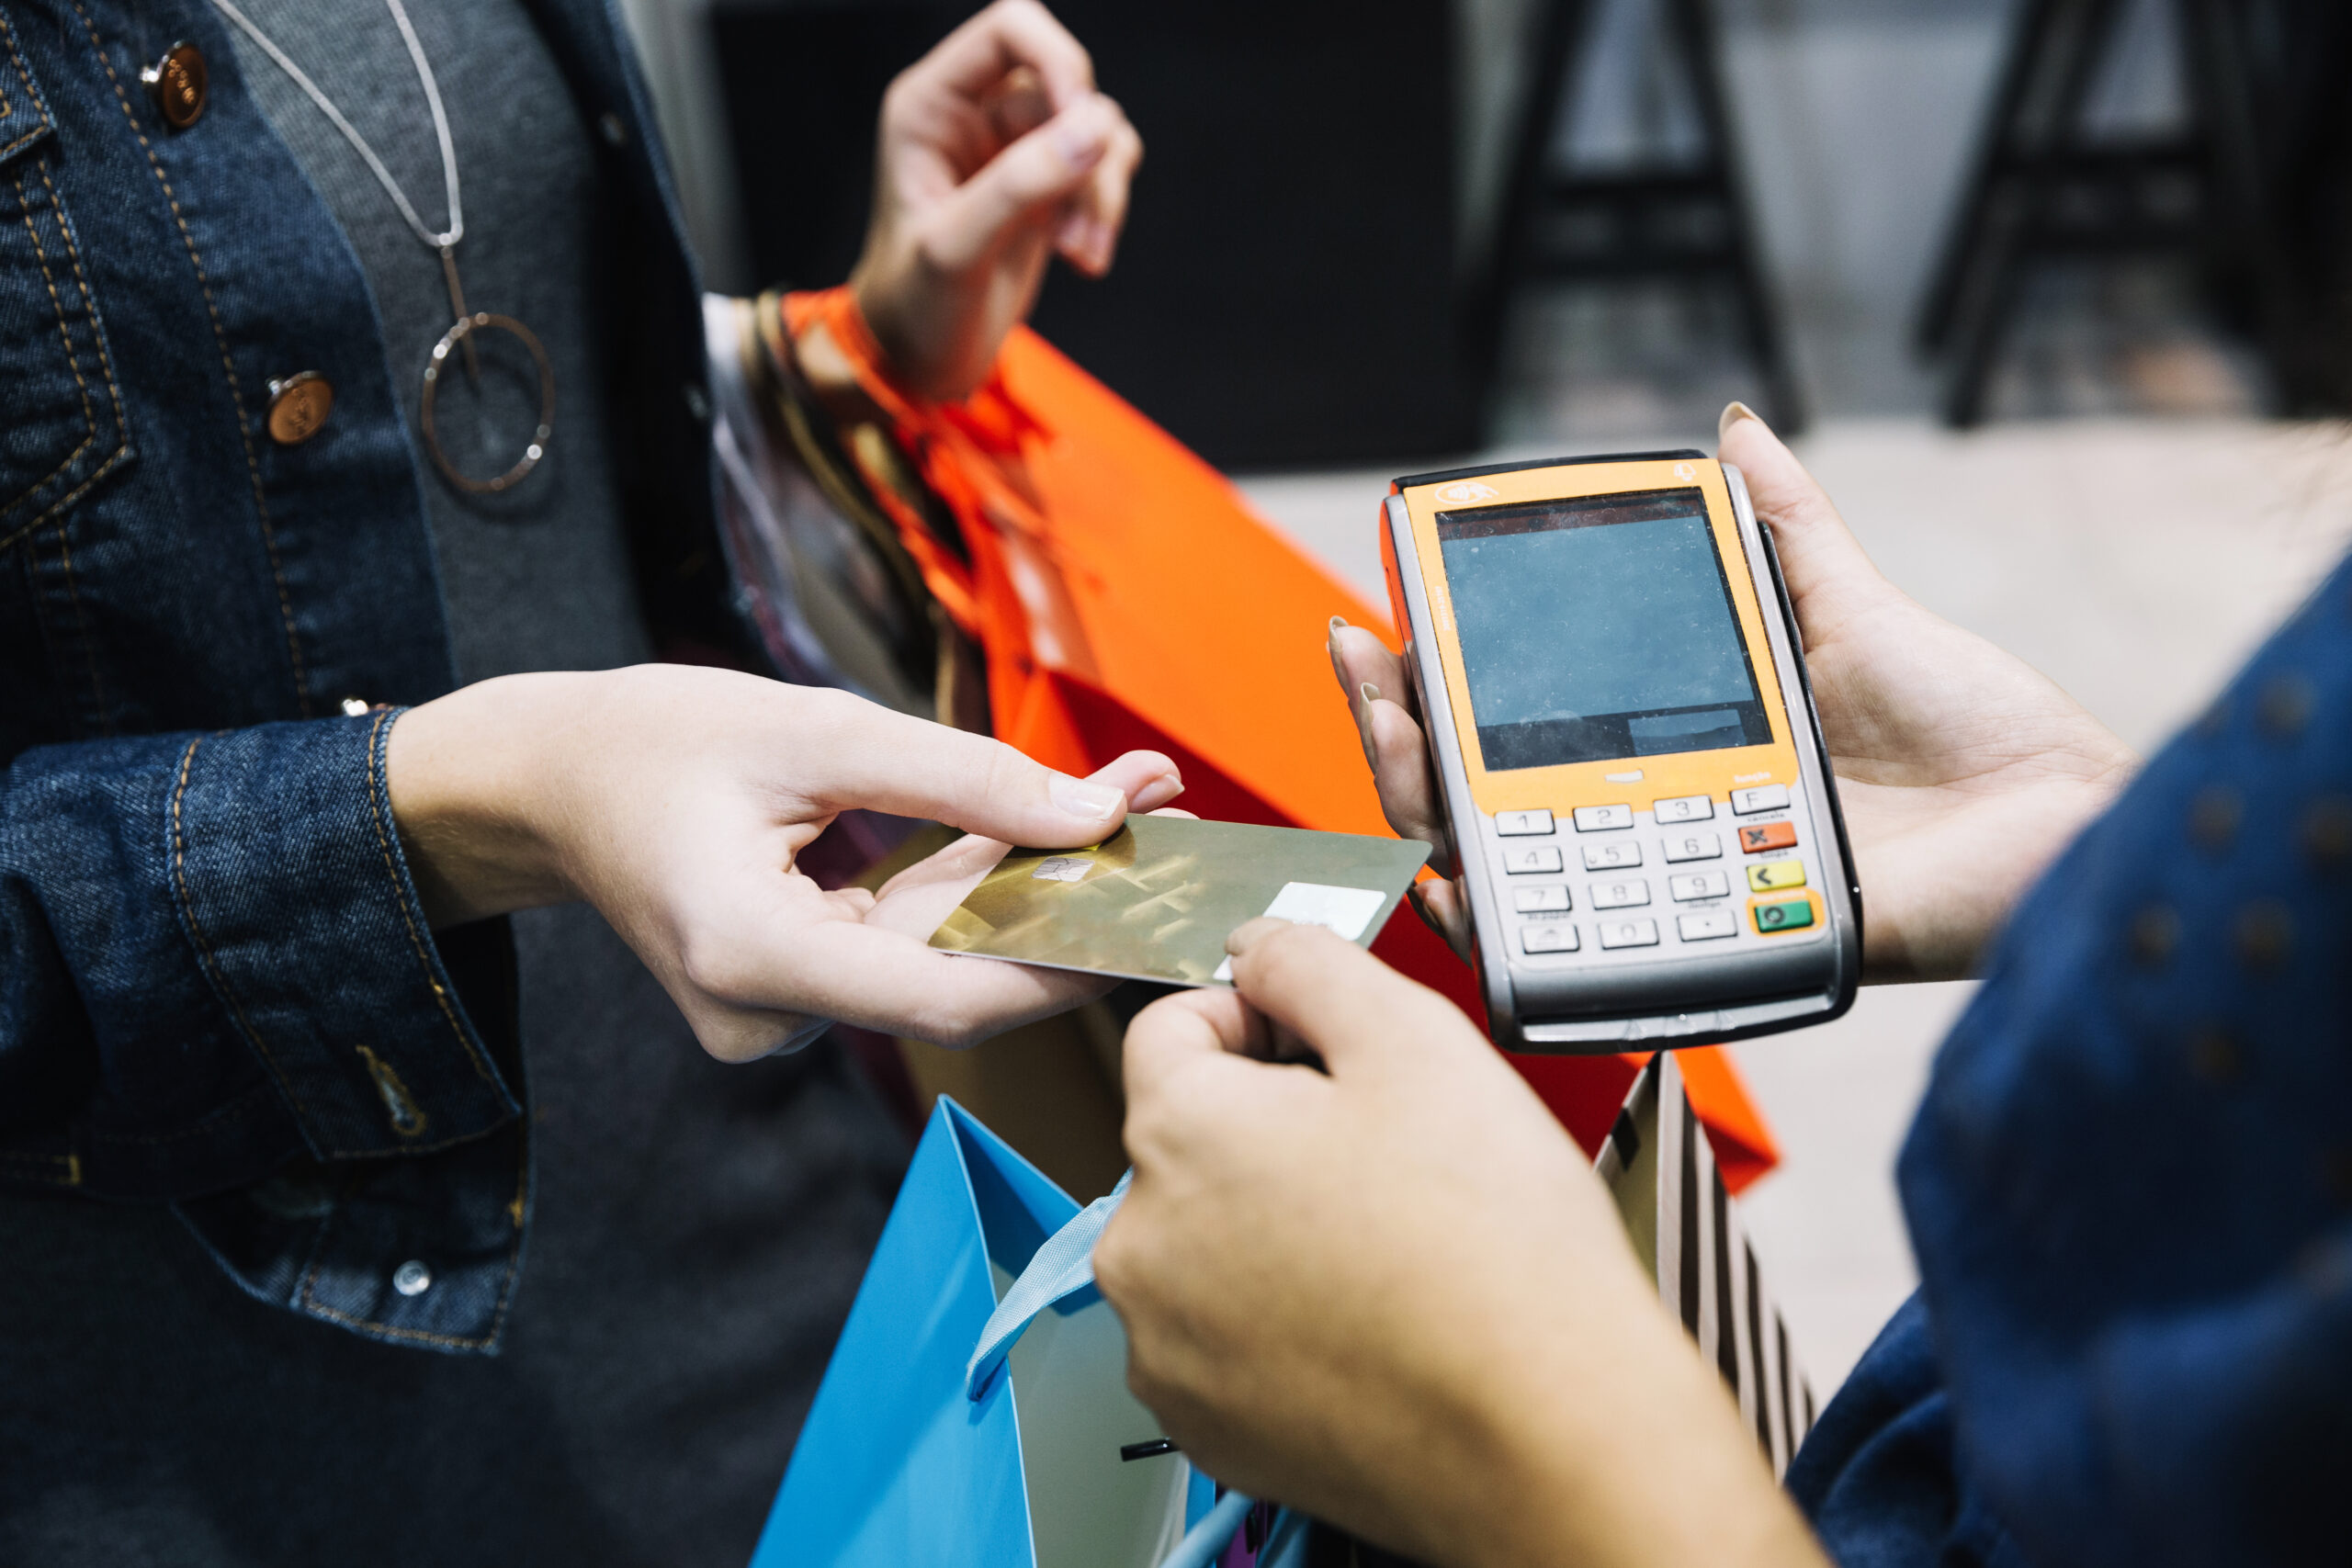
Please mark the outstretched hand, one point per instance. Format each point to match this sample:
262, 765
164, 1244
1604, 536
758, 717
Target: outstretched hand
996, 152
677, 801
1962, 770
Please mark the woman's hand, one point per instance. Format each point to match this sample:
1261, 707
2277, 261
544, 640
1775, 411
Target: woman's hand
996, 152
1963, 770
1392, 1293
676, 799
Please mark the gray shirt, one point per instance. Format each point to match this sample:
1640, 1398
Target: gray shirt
536, 578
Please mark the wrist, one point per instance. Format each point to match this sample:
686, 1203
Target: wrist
1611, 1443
474, 779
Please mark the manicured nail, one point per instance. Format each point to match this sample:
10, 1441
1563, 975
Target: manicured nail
1080, 798
1249, 934
1157, 792
1370, 692
1338, 624
1733, 411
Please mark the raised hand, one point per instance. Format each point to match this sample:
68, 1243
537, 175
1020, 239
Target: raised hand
996, 152
1961, 769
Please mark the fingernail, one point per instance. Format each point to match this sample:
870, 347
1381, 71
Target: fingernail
1082, 137
1249, 934
1162, 789
1081, 798
1338, 624
1733, 411
1369, 692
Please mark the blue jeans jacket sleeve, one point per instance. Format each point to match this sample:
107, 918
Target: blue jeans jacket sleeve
215, 940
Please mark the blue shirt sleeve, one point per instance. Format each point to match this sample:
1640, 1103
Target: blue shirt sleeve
2130, 1184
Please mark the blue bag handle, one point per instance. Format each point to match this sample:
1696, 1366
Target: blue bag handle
1061, 1269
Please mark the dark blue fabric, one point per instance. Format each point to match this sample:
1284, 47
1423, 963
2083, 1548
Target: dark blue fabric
2130, 1185
212, 962
1876, 1475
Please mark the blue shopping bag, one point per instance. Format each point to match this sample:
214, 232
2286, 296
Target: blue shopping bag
939, 1439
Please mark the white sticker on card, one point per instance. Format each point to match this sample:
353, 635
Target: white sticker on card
1347, 910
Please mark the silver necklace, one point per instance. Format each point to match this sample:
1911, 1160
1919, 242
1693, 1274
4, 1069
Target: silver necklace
445, 245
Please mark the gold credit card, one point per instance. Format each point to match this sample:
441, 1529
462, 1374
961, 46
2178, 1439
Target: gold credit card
1154, 901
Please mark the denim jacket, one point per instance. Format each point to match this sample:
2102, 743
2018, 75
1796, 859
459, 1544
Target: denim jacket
218, 989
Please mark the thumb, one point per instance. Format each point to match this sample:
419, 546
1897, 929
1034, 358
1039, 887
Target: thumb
1828, 573
1354, 1009
865, 755
1178, 1030
1048, 166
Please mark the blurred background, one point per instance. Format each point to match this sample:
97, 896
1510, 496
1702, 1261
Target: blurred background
2056, 296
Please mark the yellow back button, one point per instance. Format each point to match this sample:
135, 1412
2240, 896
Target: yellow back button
1771, 874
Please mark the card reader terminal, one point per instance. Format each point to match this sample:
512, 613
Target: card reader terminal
1614, 690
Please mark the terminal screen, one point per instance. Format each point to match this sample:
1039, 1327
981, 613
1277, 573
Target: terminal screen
1597, 628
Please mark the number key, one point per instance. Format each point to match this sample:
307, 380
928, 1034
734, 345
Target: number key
1620, 895
1694, 846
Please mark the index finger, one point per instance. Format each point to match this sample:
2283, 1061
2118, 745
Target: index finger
861, 754
1010, 34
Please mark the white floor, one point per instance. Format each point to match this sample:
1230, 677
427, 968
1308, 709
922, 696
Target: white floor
2136, 564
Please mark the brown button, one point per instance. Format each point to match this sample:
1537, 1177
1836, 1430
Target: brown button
177, 82
298, 406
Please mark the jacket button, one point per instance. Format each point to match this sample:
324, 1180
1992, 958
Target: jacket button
299, 405
177, 84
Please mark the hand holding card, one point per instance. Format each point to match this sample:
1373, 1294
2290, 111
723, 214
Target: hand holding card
1154, 901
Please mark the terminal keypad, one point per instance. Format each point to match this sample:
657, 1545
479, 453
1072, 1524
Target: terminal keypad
1618, 841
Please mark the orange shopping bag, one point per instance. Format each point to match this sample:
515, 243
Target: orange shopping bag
1124, 595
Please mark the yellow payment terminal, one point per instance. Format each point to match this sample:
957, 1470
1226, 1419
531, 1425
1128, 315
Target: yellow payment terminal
1615, 699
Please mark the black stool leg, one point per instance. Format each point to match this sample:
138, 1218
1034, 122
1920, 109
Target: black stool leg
1565, 23
2056, 52
1766, 344
2221, 87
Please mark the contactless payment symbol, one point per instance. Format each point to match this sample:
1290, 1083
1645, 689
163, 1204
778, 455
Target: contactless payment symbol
1461, 493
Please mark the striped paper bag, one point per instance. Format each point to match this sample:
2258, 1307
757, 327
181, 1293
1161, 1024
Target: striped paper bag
1686, 1226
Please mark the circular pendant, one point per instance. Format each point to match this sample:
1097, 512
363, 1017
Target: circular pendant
464, 328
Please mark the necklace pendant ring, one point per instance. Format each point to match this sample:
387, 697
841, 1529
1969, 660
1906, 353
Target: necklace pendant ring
461, 332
